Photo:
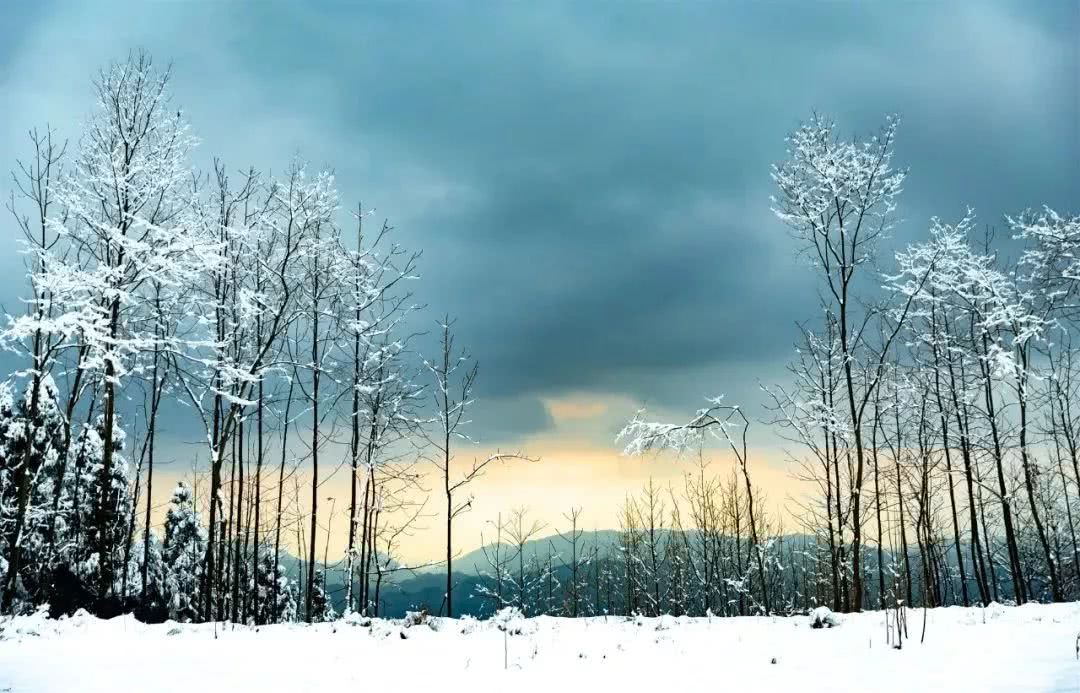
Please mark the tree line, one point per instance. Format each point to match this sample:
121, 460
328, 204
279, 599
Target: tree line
929, 406
242, 300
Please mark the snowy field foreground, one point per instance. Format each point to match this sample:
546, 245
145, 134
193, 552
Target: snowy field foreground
1030, 648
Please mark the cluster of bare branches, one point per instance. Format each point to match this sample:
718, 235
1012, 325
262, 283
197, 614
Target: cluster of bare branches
929, 409
915, 404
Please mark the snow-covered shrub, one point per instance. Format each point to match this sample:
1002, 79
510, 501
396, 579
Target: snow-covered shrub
510, 620
666, 622
823, 617
414, 618
19, 627
355, 618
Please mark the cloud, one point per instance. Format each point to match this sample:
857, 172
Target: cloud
574, 408
589, 183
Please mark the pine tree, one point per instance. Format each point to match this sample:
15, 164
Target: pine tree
152, 606
276, 592
7, 482
322, 610
44, 450
183, 552
81, 496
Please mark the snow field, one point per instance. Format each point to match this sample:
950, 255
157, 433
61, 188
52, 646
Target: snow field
1028, 648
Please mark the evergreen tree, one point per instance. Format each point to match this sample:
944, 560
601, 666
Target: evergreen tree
7, 483
182, 555
45, 447
152, 606
284, 608
81, 495
322, 610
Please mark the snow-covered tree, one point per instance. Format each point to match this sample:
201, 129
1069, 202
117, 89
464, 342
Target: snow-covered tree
249, 299
38, 336
182, 554
276, 593
453, 374
322, 608
728, 425
838, 196
152, 602
36, 461
1051, 259
126, 227
1004, 321
82, 522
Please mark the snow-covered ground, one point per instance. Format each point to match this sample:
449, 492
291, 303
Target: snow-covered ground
1030, 648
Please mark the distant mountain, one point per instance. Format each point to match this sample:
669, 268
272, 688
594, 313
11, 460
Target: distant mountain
400, 591
413, 590
475, 563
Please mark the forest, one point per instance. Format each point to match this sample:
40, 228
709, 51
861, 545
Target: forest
927, 410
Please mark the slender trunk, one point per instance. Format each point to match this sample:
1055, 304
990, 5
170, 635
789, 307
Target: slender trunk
230, 559
446, 480
216, 460
986, 535
104, 541
877, 511
963, 425
314, 475
151, 435
1015, 567
826, 400
258, 499
129, 531
238, 524
281, 489
354, 443
900, 500
372, 557
943, 415
449, 544
316, 374
755, 542
364, 546
856, 427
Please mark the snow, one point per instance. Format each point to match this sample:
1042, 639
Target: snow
1028, 648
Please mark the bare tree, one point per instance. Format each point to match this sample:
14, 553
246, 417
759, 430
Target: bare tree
578, 560
641, 436
453, 375
838, 198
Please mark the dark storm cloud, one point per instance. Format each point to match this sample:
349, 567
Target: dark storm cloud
590, 182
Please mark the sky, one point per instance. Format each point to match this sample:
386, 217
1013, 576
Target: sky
588, 182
